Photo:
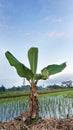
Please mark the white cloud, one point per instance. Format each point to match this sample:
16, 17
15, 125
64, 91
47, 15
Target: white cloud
52, 19
57, 20
56, 34
52, 34
28, 33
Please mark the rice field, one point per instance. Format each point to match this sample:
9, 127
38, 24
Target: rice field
58, 105
11, 109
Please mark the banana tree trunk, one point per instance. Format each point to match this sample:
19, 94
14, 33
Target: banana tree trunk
33, 101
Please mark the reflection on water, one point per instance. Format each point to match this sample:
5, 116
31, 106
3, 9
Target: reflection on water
11, 109
57, 106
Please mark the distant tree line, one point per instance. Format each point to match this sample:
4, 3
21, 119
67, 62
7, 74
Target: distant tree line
19, 88
64, 84
67, 84
14, 88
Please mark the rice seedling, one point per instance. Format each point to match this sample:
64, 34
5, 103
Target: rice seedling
51, 106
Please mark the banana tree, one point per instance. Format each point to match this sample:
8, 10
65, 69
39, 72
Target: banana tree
32, 76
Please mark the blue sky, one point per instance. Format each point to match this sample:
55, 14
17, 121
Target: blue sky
46, 24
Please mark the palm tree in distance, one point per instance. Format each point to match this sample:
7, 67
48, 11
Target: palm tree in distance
32, 76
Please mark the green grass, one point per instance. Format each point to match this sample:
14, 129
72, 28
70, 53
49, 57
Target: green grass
13, 99
13, 94
6, 96
57, 92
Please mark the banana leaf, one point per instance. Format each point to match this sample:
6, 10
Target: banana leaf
22, 70
33, 58
52, 69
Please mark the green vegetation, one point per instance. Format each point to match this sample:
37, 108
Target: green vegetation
12, 94
19, 94
59, 103
64, 92
32, 76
